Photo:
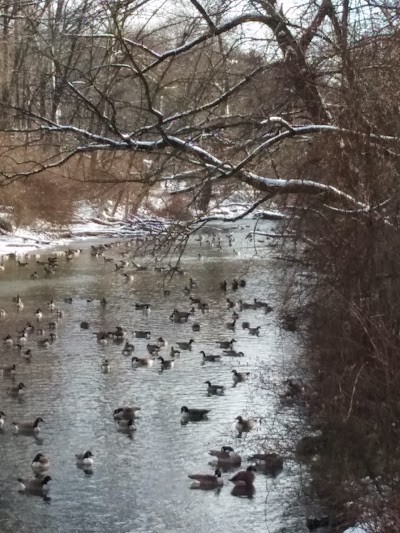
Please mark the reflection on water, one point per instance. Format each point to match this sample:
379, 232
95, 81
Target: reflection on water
139, 480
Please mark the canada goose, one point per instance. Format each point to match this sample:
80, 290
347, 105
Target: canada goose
235, 316
192, 283
52, 336
193, 415
142, 334
223, 285
260, 304
207, 481
185, 345
216, 390
226, 344
245, 325
210, 358
231, 303
23, 338
244, 425
49, 270
3, 314
35, 275
53, 324
28, 428
271, 463
244, 477
9, 370
8, 340
127, 425
125, 413
45, 343
238, 377
254, 331
226, 456
84, 459
40, 464
233, 353
103, 339
41, 332
142, 361
245, 305
36, 486
174, 353
179, 316
194, 300
2, 415
166, 364
27, 355
18, 390
235, 285
143, 307
162, 342
128, 349
105, 366
153, 349
195, 326
51, 305
231, 325
22, 264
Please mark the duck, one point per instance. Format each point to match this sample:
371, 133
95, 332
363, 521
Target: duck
142, 334
125, 413
8, 340
254, 331
38, 486
166, 364
207, 481
128, 349
244, 477
210, 358
127, 425
233, 353
185, 345
105, 366
28, 428
193, 415
271, 463
142, 361
84, 459
217, 390
238, 377
9, 370
2, 421
18, 390
226, 456
40, 463
226, 344
244, 425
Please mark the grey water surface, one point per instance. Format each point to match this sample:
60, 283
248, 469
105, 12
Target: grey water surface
140, 484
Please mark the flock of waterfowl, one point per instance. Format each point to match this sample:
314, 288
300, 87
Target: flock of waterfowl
39, 336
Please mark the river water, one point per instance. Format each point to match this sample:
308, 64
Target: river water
140, 484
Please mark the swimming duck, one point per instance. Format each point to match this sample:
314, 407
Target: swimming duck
18, 390
226, 456
166, 364
142, 361
28, 428
40, 464
233, 353
226, 344
185, 345
210, 358
125, 413
38, 486
238, 377
217, 390
127, 425
244, 477
9, 370
207, 481
84, 459
105, 366
244, 425
193, 415
2, 421
128, 349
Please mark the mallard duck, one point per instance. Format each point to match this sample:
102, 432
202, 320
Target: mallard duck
38, 486
84, 459
254, 331
28, 428
9, 370
217, 390
18, 390
142, 334
142, 361
226, 456
226, 344
244, 425
193, 415
195, 326
105, 366
127, 425
207, 481
128, 349
238, 377
125, 413
233, 353
185, 345
40, 463
244, 477
8, 340
166, 364
271, 463
210, 358
2, 421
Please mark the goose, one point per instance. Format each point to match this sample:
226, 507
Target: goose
244, 477
84, 459
103, 339
185, 345
18, 390
28, 428
142, 334
127, 425
125, 413
9, 370
84, 325
153, 349
22, 264
174, 353
192, 283
207, 481
245, 325
167, 292
105, 366
53, 324
235, 316
193, 415
194, 300
210, 358
3, 314
233, 353
235, 285
223, 285
128, 277
179, 316
142, 307
231, 303
35, 275
128, 349
226, 456
142, 361
45, 343
217, 390
260, 304
30, 328
195, 326
162, 342
226, 344
166, 364
40, 332
23, 338
238, 377
39, 486
244, 425
231, 325
245, 305
27, 355
40, 464
2, 415
271, 463
51, 305
52, 337
8, 340
254, 331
